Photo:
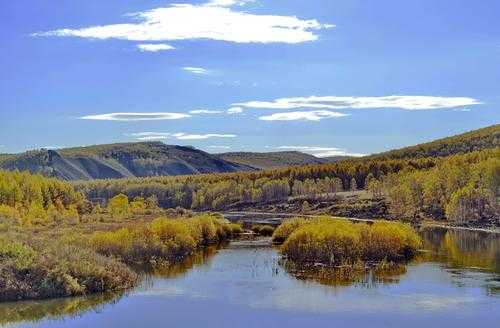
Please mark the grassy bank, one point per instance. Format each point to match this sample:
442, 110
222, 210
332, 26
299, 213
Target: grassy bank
164, 239
48, 264
337, 242
34, 270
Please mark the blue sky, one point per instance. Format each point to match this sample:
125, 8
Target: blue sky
322, 76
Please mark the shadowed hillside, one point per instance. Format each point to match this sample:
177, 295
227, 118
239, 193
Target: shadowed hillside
272, 159
119, 161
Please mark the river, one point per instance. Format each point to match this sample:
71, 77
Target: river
455, 282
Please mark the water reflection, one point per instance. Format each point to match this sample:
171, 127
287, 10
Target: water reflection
249, 284
360, 276
463, 249
32, 311
67, 308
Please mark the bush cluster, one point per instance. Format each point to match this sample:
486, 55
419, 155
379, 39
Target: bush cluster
164, 239
337, 241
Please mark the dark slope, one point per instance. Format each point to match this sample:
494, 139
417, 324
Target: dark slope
119, 161
271, 160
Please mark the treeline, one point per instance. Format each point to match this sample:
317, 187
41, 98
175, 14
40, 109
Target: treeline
459, 188
35, 199
217, 191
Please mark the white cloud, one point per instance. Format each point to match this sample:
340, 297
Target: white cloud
235, 110
196, 70
135, 116
204, 111
145, 136
215, 20
334, 102
462, 110
154, 47
228, 3
321, 151
315, 115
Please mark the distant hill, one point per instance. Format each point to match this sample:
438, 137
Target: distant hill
484, 138
272, 159
143, 159
119, 161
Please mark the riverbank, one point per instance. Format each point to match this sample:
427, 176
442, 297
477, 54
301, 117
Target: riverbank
39, 264
275, 218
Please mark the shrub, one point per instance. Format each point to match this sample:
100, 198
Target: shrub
163, 239
337, 241
236, 229
286, 228
57, 270
394, 241
263, 229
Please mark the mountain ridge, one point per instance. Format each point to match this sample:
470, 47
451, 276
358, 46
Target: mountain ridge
154, 158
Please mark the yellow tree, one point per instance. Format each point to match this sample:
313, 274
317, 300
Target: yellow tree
118, 206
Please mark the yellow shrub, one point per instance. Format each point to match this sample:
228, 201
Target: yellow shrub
286, 228
336, 241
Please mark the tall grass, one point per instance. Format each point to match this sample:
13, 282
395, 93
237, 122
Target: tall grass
164, 239
336, 242
55, 269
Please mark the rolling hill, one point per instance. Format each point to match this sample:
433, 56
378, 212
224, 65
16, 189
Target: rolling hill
119, 161
485, 138
271, 160
143, 159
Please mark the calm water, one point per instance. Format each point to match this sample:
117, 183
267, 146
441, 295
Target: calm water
455, 283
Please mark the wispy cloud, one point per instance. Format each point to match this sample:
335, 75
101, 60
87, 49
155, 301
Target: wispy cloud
321, 151
235, 110
315, 115
154, 47
204, 111
334, 102
144, 136
196, 70
215, 20
135, 116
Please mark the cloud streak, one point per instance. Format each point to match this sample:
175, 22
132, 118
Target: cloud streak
204, 111
154, 47
315, 115
135, 116
334, 102
196, 70
148, 136
321, 151
235, 110
216, 20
